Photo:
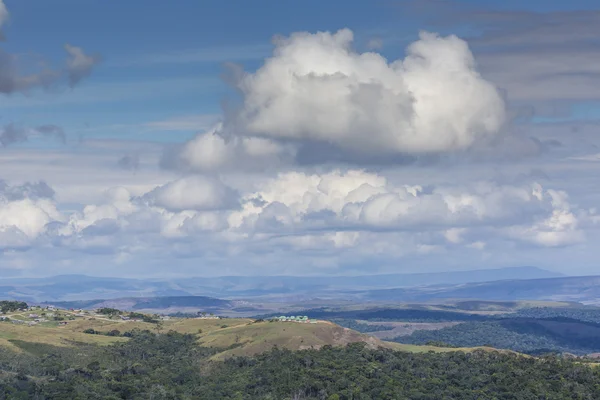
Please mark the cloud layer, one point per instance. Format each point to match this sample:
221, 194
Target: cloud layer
348, 215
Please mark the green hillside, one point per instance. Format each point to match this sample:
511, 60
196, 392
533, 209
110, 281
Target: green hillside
230, 336
175, 366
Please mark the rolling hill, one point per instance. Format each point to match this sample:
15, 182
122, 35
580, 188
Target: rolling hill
232, 336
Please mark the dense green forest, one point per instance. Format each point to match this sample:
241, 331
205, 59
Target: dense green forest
173, 366
580, 314
527, 335
535, 330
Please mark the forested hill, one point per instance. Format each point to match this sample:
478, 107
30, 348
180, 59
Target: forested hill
173, 366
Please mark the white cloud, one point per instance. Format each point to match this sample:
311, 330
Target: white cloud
27, 215
357, 201
316, 88
25, 211
560, 228
193, 193
317, 100
3, 13
212, 151
454, 235
297, 194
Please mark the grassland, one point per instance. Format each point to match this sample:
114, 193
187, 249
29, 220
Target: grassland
236, 336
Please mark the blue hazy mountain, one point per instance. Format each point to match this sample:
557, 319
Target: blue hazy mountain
585, 289
82, 287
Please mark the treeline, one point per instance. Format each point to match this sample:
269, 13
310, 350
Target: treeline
173, 366
393, 314
115, 332
361, 326
181, 301
10, 306
112, 312
109, 311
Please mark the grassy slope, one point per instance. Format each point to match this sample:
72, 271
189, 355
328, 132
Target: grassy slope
258, 337
57, 336
239, 337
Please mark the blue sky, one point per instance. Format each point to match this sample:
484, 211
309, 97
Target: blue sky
372, 149
162, 62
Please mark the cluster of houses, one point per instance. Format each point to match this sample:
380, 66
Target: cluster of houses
40, 308
205, 315
302, 319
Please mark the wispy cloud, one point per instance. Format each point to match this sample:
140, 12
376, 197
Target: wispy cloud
115, 92
196, 56
536, 57
185, 123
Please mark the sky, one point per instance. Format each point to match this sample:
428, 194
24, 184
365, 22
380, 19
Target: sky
145, 138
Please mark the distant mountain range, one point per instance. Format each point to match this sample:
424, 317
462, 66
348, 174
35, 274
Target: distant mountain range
82, 287
163, 304
583, 289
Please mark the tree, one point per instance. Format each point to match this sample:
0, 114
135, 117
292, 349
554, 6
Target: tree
108, 311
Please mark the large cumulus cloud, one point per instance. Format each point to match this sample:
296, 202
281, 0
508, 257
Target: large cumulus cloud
315, 89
